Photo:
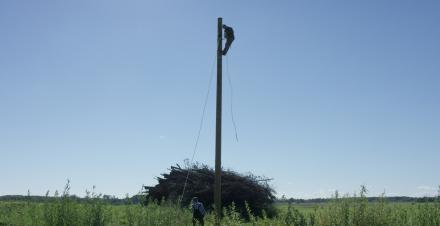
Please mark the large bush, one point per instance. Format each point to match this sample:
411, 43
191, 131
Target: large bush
236, 188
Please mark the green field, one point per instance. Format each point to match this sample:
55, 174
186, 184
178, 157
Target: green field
307, 208
94, 211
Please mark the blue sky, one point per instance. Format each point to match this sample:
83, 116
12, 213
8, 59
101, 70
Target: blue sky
327, 94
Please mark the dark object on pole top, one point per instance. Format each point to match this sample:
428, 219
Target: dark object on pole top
229, 35
236, 188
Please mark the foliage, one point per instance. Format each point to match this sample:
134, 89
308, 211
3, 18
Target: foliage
237, 189
346, 211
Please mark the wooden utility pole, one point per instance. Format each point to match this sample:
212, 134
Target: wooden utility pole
218, 126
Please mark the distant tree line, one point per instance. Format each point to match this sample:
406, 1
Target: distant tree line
370, 199
106, 198
137, 199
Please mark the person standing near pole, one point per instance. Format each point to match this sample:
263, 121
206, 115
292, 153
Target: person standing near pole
198, 212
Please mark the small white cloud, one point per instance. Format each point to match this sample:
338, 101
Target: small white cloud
162, 137
425, 188
324, 193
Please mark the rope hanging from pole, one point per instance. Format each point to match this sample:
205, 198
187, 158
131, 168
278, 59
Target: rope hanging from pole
196, 144
231, 100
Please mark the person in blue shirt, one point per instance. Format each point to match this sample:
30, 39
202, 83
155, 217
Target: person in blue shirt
198, 212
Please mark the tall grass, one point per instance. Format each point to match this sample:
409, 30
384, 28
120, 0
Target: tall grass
341, 211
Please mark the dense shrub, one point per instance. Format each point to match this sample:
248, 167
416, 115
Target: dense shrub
237, 189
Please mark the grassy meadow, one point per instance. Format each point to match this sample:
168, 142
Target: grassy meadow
356, 210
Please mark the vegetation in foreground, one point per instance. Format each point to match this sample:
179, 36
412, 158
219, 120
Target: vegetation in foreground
356, 210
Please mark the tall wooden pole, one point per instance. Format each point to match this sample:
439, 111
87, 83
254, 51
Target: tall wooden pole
218, 125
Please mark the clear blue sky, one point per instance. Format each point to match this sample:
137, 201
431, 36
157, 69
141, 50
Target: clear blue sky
327, 94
